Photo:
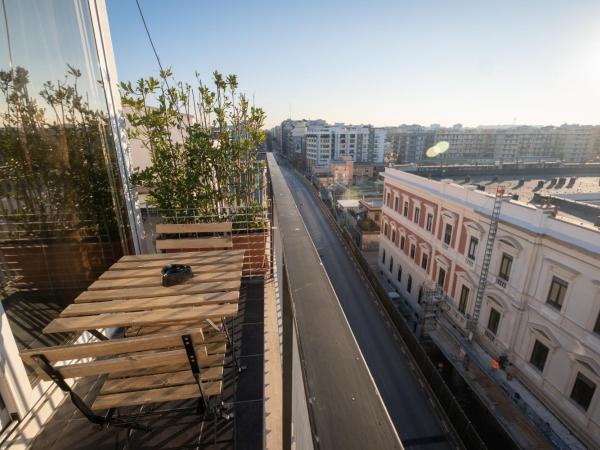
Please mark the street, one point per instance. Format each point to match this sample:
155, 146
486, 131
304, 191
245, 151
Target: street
406, 400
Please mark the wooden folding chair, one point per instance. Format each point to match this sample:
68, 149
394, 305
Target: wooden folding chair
193, 236
154, 368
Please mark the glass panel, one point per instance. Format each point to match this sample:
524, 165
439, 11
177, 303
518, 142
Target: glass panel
539, 355
505, 266
464, 296
556, 295
597, 324
448, 234
441, 277
473, 247
583, 391
62, 209
494, 321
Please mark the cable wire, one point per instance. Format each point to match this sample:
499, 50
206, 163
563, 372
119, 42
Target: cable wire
149, 35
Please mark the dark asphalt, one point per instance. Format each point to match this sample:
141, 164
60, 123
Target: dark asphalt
406, 400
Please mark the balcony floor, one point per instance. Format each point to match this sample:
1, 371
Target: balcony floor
68, 429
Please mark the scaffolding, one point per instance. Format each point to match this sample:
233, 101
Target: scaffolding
431, 305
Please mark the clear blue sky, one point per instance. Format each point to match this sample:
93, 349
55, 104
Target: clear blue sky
471, 62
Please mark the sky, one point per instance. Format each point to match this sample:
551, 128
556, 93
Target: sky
383, 63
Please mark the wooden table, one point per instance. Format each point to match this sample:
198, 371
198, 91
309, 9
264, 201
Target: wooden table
130, 293
174, 354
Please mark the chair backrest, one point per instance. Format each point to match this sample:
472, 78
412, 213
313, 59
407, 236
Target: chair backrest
117, 355
186, 242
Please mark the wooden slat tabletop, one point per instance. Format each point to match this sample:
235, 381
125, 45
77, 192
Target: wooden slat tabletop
130, 293
170, 256
151, 272
192, 261
155, 280
130, 319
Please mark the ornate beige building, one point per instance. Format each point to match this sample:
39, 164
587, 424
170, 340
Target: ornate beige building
542, 302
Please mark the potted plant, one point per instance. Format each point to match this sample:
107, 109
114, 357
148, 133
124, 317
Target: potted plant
203, 145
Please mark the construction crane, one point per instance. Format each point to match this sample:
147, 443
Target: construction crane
487, 257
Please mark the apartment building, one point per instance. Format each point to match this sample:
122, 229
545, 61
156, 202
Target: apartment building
363, 144
290, 135
542, 301
570, 143
318, 143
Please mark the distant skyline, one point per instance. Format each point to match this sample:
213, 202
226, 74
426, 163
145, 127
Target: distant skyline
383, 63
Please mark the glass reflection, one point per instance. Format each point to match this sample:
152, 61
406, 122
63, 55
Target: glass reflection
62, 218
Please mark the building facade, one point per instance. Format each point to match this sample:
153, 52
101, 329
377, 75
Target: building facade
318, 143
542, 301
569, 143
68, 210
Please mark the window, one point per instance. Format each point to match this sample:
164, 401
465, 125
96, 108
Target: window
494, 321
424, 261
391, 263
420, 295
412, 251
409, 284
441, 278
539, 355
383, 256
387, 202
401, 242
464, 299
405, 212
429, 223
556, 294
61, 172
472, 248
505, 266
597, 324
393, 235
399, 274
385, 230
583, 391
396, 204
448, 234
417, 213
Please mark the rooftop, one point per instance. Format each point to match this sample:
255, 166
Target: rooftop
372, 203
577, 198
522, 212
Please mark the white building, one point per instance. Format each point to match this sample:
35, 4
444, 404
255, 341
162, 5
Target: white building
325, 143
570, 143
542, 302
319, 144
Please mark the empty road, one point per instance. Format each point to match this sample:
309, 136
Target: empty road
405, 399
